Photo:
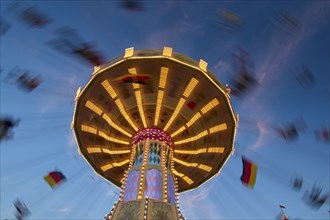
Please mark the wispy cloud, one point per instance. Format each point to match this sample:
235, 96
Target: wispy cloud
221, 66
262, 137
197, 201
174, 33
65, 210
197, 195
275, 59
281, 50
112, 193
71, 139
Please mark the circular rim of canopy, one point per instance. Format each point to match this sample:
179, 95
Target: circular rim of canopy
188, 156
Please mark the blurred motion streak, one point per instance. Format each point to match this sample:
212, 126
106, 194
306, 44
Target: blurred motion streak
290, 132
285, 21
305, 77
69, 42
243, 81
5, 26
228, 20
29, 15
313, 198
131, 5
6, 127
23, 79
323, 135
21, 209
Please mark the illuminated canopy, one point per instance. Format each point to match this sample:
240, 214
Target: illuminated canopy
155, 89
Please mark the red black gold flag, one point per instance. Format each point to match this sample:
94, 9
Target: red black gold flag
54, 178
249, 174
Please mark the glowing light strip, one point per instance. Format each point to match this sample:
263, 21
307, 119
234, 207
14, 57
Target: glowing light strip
177, 173
185, 163
210, 105
123, 112
201, 150
102, 134
106, 85
175, 113
106, 117
194, 138
162, 83
158, 105
215, 149
92, 150
163, 77
138, 97
106, 167
193, 119
198, 165
120, 163
204, 110
205, 167
112, 165
220, 127
212, 130
115, 126
120, 106
112, 139
107, 151
188, 180
140, 107
185, 178
93, 107
193, 82
178, 131
88, 129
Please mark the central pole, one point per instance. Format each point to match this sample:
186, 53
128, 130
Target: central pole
149, 188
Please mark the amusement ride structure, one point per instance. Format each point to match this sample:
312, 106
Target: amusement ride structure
154, 123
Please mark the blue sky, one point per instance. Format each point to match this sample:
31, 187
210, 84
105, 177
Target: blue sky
44, 141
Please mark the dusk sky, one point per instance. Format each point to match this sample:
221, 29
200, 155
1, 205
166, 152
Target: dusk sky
278, 49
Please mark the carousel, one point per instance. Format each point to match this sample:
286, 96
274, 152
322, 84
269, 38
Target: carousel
154, 123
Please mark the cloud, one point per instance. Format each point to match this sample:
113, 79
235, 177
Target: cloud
279, 52
282, 49
262, 135
199, 195
71, 139
112, 193
65, 210
222, 66
174, 33
197, 201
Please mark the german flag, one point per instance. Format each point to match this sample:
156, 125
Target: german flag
54, 178
249, 174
